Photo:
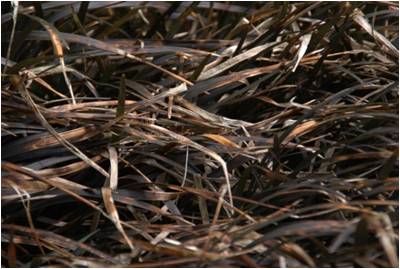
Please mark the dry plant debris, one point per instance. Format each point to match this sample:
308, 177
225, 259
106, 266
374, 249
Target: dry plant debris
199, 134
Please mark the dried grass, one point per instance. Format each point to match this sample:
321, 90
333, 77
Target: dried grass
200, 134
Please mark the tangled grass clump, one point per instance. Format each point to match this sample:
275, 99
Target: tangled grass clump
200, 134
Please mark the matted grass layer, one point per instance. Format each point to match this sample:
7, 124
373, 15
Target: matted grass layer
199, 134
